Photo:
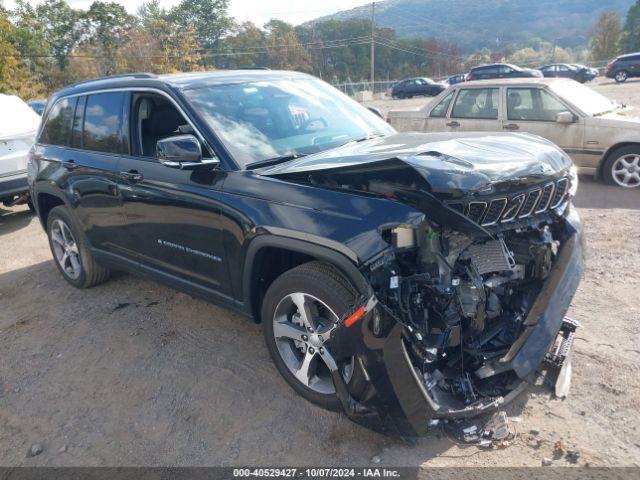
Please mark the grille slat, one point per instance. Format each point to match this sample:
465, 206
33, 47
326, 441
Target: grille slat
530, 203
545, 200
476, 210
494, 212
513, 208
561, 189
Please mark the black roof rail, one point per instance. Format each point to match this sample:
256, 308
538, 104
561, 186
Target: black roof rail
110, 77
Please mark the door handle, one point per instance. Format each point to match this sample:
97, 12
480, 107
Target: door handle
453, 124
132, 176
70, 165
511, 126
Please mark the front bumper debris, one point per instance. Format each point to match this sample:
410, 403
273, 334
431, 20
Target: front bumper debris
399, 404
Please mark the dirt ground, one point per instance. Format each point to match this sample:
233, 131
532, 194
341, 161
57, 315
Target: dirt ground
134, 373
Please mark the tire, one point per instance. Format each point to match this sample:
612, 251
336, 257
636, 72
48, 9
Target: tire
621, 76
622, 167
84, 272
314, 281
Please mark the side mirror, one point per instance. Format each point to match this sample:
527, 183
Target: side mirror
565, 117
183, 152
377, 111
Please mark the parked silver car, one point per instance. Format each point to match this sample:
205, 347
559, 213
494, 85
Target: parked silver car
602, 137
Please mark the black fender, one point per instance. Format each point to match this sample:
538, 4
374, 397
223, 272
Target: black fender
314, 249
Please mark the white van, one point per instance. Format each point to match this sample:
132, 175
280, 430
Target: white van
18, 127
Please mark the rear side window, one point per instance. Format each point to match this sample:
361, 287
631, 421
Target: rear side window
440, 110
103, 123
480, 103
57, 129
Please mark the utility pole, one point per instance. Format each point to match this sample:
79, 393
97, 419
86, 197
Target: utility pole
373, 43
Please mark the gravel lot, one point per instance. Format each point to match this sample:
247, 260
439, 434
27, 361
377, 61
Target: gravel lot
135, 373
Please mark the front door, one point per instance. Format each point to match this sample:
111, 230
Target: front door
534, 110
173, 215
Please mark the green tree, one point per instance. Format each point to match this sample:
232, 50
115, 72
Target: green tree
208, 17
631, 34
284, 51
604, 43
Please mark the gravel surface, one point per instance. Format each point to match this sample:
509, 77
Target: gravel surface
135, 373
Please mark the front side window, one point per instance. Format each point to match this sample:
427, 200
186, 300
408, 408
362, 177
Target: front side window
103, 123
440, 110
479, 103
273, 118
532, 104
57, 129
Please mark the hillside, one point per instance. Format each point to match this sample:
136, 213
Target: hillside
474, 24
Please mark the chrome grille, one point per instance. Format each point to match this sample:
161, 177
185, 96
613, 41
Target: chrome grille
494, 212
519, 205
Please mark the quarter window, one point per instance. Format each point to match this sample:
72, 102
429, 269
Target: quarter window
440, 110
57, 130
103, 123
480, 103
532, 104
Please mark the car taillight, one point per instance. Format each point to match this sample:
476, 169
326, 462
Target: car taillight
468, 77
610, 65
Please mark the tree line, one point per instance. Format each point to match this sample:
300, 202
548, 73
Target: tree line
46, 46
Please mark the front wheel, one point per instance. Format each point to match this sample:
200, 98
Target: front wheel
299, 310
622, 167
621, 76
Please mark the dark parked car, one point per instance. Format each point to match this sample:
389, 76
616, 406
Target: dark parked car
500, 70
414, 87
459, 78
623, 67
580, 73
590, 73
402, 278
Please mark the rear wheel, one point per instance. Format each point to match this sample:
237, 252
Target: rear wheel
71, 252
622, 167
621, 76
298, 312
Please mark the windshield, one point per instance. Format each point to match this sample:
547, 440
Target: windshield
267, 119
587, 100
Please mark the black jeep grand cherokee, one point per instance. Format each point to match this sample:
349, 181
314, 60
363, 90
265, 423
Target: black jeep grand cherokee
402, 278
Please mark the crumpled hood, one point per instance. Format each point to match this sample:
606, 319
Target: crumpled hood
462, 162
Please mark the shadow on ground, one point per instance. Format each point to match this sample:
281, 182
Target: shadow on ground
595, 194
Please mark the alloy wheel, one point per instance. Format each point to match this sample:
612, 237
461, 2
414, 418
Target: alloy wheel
621, 76
65, 249
626, 171
302, 326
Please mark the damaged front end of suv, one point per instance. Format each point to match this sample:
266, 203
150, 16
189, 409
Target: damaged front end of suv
468, 297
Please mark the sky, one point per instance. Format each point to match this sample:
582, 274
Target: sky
257, 11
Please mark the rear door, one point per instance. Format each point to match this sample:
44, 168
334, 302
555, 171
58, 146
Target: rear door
533, 110
475, 110
84, 135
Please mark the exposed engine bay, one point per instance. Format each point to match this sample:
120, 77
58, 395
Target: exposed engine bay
464, 302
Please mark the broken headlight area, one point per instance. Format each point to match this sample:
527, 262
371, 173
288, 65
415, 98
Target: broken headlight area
463, 302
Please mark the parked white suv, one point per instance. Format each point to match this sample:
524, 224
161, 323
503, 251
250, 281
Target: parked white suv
602, 137
18, 126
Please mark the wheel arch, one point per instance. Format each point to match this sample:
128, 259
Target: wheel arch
268, 256
46, 201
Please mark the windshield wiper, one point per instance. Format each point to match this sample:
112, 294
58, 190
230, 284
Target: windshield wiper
368, 136
275, 160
